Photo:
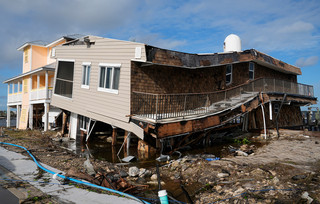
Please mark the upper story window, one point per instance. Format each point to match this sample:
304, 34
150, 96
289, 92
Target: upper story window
64, 79
86, 66
53, 52
229, 74
26, 56
109, 77
251, 70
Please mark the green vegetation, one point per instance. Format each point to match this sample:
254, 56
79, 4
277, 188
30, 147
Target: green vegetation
242, 141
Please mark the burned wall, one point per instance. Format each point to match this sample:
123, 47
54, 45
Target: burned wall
290, 116
240, 74
169, 80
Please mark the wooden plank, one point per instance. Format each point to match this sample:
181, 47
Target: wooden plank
114, 136
182, 127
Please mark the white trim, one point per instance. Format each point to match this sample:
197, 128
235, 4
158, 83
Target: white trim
14, 104
40, 101
85, 86
55, 42
86, 69
109, 65
30, 57
66, 60
113, 91
57, 95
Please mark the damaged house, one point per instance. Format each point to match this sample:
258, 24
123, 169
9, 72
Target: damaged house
30, 92
157, 94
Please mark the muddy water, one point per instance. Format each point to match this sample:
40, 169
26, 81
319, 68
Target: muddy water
100, 149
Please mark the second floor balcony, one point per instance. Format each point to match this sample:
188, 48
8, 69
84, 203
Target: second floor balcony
34, 86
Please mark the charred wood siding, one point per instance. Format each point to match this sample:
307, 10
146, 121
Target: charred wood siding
169, 80
240, 74
290, 116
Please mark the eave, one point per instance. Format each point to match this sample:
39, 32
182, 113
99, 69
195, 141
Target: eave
44, 68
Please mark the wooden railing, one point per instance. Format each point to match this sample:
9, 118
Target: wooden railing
162, 106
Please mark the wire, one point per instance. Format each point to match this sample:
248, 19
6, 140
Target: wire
75, 180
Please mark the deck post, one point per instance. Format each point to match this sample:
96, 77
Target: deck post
46, 116
8, 116
47, 85
64, 121
18, 116
114, 136
127, 139
31, 116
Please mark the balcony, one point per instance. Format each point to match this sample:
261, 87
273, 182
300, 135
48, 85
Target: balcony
156, 107
15, 98
40, 94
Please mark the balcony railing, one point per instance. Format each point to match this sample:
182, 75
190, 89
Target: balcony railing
39, 94
15, 98
163, 106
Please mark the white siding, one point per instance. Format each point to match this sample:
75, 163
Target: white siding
106, 107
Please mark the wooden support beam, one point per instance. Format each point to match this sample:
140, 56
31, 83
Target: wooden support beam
64, 123
114, 136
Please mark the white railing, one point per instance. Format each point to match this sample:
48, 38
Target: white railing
39, 94
15, 98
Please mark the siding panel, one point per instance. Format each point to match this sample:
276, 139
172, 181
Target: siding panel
91, 102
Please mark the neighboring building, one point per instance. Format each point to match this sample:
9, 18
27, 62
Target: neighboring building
30, 92
157, 93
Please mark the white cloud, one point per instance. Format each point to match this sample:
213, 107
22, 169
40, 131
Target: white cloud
157, 40
306, 62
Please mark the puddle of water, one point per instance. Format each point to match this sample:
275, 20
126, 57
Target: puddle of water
102, 150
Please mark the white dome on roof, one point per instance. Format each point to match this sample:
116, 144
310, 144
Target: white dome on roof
232, 43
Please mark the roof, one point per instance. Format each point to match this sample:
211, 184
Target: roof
45, 44
158, 56
49, 67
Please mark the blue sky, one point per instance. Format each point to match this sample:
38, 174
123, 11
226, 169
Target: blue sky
288, 30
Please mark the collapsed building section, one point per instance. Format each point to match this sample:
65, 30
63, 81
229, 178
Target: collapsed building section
156, 94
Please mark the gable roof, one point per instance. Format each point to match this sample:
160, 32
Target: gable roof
41, 43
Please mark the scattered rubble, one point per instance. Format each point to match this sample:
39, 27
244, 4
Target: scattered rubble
283, 171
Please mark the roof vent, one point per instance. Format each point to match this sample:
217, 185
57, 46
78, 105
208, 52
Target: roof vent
232, 43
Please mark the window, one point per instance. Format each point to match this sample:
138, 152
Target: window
85, 74
20, 86
53, 52
64, 81
276, 108
26, 56
229, 74
251, 70
109, 78
83, 122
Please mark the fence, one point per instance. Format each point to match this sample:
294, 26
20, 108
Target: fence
162, 106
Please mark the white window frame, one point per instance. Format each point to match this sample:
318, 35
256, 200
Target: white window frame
86, 83
55, 77
53, 51
251, 64
106, 66
227, 83
83, 122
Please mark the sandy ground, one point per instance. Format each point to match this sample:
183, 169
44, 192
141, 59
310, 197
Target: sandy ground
291, 163
301, 152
